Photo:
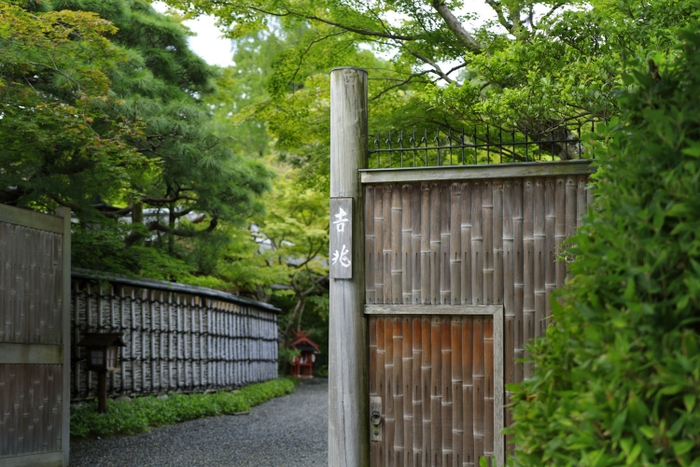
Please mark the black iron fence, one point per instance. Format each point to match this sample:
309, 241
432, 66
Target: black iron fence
479, 145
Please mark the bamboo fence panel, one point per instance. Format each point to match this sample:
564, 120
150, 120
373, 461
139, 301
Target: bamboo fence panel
176, 341
436, 377
472, 242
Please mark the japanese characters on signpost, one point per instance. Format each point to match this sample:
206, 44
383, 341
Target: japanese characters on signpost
341, 238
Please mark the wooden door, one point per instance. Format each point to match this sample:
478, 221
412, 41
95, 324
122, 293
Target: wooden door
34, 338
433, 370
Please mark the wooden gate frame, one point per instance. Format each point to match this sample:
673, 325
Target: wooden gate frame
37, 354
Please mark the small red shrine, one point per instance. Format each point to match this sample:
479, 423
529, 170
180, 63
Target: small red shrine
302, 365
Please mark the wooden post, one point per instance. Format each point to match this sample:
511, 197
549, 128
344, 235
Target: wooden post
64, 212
348, 397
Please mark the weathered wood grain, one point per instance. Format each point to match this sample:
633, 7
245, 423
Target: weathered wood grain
348, 416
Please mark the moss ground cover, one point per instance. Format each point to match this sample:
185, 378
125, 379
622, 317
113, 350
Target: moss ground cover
125, 418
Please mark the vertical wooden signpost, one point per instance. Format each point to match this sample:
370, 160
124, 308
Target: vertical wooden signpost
347, 393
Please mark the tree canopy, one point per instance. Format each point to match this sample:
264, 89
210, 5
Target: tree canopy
537, 68
103, 111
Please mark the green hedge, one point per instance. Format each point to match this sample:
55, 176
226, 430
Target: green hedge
123, 418
617, 377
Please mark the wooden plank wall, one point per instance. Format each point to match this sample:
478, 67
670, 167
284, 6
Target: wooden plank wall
435, 378
174, 341
474, 242
32, 405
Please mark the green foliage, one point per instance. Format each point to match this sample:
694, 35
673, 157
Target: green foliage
103, 111
59, 144
617, 376
537, 68
124, 418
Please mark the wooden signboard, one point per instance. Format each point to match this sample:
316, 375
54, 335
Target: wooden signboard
341, 238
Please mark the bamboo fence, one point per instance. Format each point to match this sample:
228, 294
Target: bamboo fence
178, 338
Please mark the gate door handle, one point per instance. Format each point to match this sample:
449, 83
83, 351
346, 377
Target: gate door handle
375, 418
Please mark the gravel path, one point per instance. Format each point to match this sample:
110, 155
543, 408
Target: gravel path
288, 431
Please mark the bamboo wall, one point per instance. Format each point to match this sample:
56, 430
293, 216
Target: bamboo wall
489, 241
175, 341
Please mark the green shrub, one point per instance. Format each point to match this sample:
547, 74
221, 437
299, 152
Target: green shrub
617, 377
142, 413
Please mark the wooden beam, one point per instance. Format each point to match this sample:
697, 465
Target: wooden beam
45, 459
477, 172
348, 396
432, 310
31, 354
31, 219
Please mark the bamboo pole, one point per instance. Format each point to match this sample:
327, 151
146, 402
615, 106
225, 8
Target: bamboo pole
518, 276
370, 237
498, 285
396, 245
348, 419
478, 391
581, 199
468, 458
407, 389
487, 232
435, 240
426, 378
417, 341
380, 454
445, 243
416, 239
390, 409
398, 380
529, 270
386, 247
406, 245
425, 243
457, 381
436, 393
477, 246
456, 243
540, 257
560, 227
571, 215
447, 399
488, 388
508, 286
550, 283
379, 244
466, 243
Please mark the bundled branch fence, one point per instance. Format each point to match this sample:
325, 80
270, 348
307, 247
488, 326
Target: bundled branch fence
178, 337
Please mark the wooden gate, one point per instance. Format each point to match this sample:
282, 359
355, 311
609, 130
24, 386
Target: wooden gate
477, 243
34, 337
439, 396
